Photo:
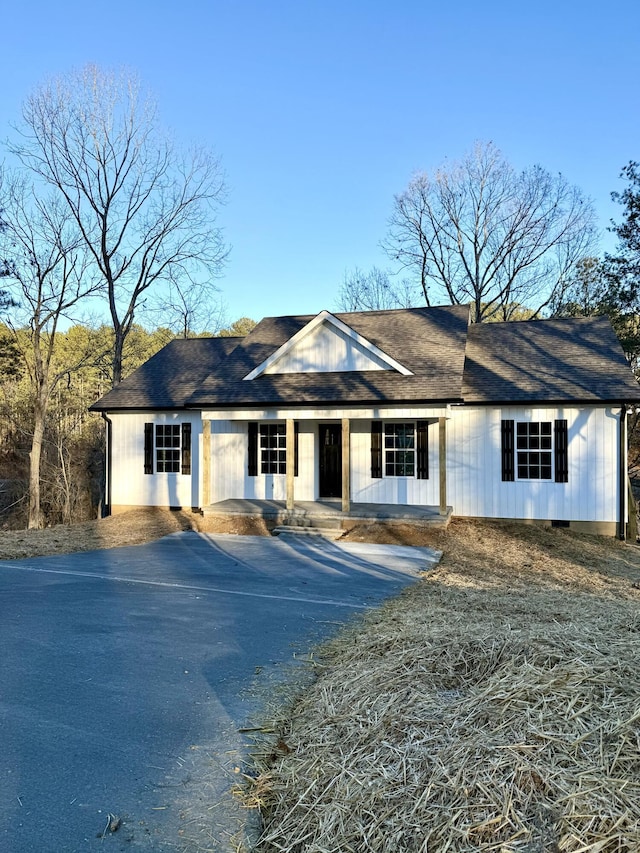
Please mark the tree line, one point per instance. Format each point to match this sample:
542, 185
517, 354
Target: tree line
70, 473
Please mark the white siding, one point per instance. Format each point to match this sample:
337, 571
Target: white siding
229, 462
130, 486
390, 490
475, 487
325, 349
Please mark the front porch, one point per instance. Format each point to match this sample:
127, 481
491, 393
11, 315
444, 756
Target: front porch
326, 514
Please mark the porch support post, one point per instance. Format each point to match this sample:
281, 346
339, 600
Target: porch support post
442, 465
346, 466
206, 463
291, 461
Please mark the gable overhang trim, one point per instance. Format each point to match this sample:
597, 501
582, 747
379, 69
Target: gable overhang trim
328, 317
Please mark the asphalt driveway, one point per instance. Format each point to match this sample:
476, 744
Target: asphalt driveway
126, 674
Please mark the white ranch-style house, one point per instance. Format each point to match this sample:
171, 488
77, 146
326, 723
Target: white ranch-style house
409, 408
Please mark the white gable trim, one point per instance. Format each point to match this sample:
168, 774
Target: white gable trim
347, 331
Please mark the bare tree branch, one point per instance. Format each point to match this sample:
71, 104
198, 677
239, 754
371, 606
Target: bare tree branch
145, 210
478, 231
375, 291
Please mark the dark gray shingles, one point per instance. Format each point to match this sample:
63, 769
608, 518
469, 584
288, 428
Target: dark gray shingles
428, 341
547, 360
169, 378
536, 361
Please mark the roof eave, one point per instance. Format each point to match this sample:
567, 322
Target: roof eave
560, 401
323, 404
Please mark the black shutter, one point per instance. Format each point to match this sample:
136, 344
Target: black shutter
376, 448
508, 454
186, 448
296, 432
422, 428
252, 469
148, 448
561, 454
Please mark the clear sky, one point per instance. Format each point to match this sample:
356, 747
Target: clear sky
321, 111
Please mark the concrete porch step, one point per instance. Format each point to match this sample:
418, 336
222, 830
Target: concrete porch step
298, 519
317, 532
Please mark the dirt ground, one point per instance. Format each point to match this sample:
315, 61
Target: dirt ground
145, 525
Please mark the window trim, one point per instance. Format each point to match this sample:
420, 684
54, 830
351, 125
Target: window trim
254, 448
151, 447
397, 450
559, 451
537, 443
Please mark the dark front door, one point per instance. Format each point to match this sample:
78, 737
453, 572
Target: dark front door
330, 461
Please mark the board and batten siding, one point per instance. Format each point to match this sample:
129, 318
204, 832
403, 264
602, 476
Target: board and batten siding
229, 465
326, 349
475, 487
391, 490
130, 486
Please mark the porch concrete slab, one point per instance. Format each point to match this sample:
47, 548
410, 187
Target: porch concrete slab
276, 510
128, 675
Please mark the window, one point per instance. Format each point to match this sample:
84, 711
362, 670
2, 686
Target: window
399, 450
273, 449
267, 450
167, 448
169, 445
533, 450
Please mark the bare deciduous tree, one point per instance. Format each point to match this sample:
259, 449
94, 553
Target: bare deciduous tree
375, 291
480, 232
146, 210
188, 308
47, 276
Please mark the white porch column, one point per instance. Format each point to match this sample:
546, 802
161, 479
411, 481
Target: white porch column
291, 461
206, 463
442, 448
346, 465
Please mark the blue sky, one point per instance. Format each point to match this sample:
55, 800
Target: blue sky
321, 111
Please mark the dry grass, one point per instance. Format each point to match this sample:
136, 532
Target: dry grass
130, 528
495, 706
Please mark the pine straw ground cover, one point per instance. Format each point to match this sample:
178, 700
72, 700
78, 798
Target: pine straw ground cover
494, 706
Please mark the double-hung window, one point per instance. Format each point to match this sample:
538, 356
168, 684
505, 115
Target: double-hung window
535, 450
167, 448
268, 448
399, 449
273, 448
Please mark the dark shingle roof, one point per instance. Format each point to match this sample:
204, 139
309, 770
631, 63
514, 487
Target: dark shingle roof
169, 378
538, 361
430, 342
547, 361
